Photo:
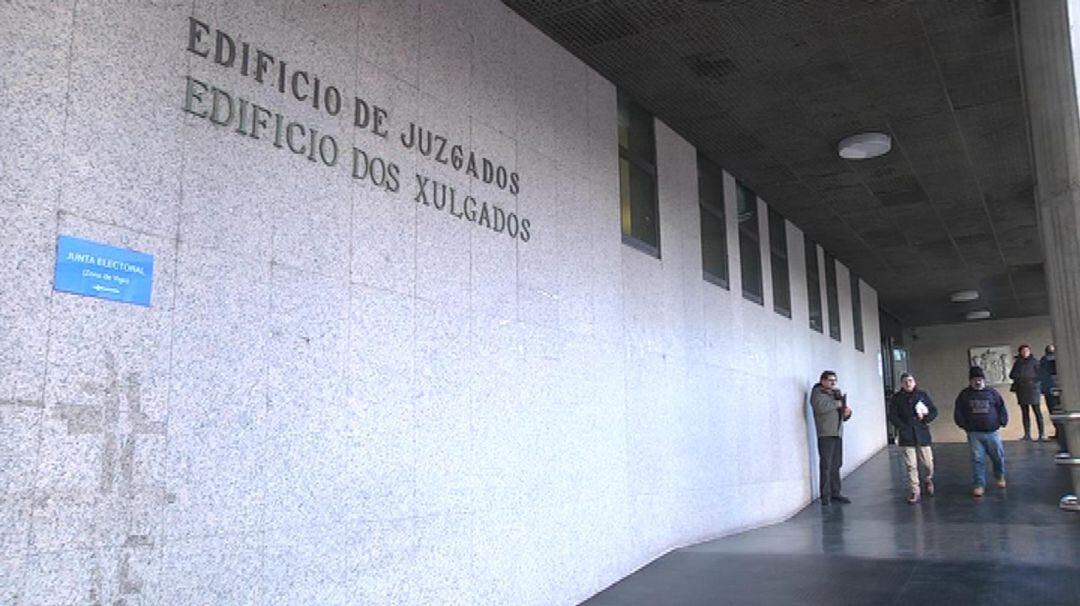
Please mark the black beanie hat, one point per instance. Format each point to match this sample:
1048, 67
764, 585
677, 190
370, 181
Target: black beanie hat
976, 373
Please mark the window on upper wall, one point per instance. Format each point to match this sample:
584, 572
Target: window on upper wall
778, 254
834, 296
813, 285
749, 245
856, 312
714, 258
637, 178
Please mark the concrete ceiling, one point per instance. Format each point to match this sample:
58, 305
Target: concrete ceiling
768, 88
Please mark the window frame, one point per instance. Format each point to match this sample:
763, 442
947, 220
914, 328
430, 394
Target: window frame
709, 170
856, 313
755, 236
645, 163
779, 261
813, 290
832, 295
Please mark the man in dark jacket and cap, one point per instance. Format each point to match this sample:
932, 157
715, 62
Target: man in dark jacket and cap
980, 411
1025, 376
910, 411
1048, 385
830, 413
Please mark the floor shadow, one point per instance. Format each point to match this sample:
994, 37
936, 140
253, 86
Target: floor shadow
1013, 546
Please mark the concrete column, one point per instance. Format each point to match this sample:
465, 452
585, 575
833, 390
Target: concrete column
1050, 89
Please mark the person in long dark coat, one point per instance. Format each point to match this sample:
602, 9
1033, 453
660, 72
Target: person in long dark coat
1025, 376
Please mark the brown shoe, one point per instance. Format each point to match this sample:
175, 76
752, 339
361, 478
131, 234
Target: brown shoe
978, 491
1001, 483
929, 487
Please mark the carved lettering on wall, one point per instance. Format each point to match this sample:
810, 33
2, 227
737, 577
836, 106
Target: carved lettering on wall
256, 120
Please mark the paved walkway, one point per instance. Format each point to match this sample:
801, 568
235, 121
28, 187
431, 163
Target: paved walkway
1013, 546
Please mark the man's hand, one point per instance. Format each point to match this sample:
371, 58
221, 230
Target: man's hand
845, 411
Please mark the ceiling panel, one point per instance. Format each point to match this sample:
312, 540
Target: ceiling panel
988, 35
768, 89
951, 15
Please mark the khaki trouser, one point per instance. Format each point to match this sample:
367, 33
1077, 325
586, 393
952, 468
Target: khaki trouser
925, 457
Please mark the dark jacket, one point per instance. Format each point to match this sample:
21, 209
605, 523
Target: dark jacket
828, 419
1048, 373
910, 430
1025, 376
980, 410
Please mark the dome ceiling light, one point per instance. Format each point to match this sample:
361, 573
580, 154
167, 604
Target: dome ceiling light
978, 314
963, 296
864, 146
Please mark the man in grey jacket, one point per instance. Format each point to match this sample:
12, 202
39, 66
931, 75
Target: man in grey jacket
830, 413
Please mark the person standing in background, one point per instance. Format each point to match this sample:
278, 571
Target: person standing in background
911, 410
1048, 386
1025, 376
830, 413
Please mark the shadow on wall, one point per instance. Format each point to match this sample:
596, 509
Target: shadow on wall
811, 443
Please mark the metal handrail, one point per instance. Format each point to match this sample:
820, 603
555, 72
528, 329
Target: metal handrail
1069, 502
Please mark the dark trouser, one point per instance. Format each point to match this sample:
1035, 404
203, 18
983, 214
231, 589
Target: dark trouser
831, 456
1053, 404
1027, 421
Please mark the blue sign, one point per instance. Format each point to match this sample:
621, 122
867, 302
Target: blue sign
106, 272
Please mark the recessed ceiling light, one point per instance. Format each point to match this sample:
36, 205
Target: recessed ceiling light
865, 145
978, 314
963, 296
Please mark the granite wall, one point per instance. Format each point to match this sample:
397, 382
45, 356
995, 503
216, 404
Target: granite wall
341, 392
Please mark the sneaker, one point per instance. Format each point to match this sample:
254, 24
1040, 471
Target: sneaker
1025, 439
1044, 439
825, 502
1062, 455
1001, 483
913, 498
978, 491
929, 487
841, 499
